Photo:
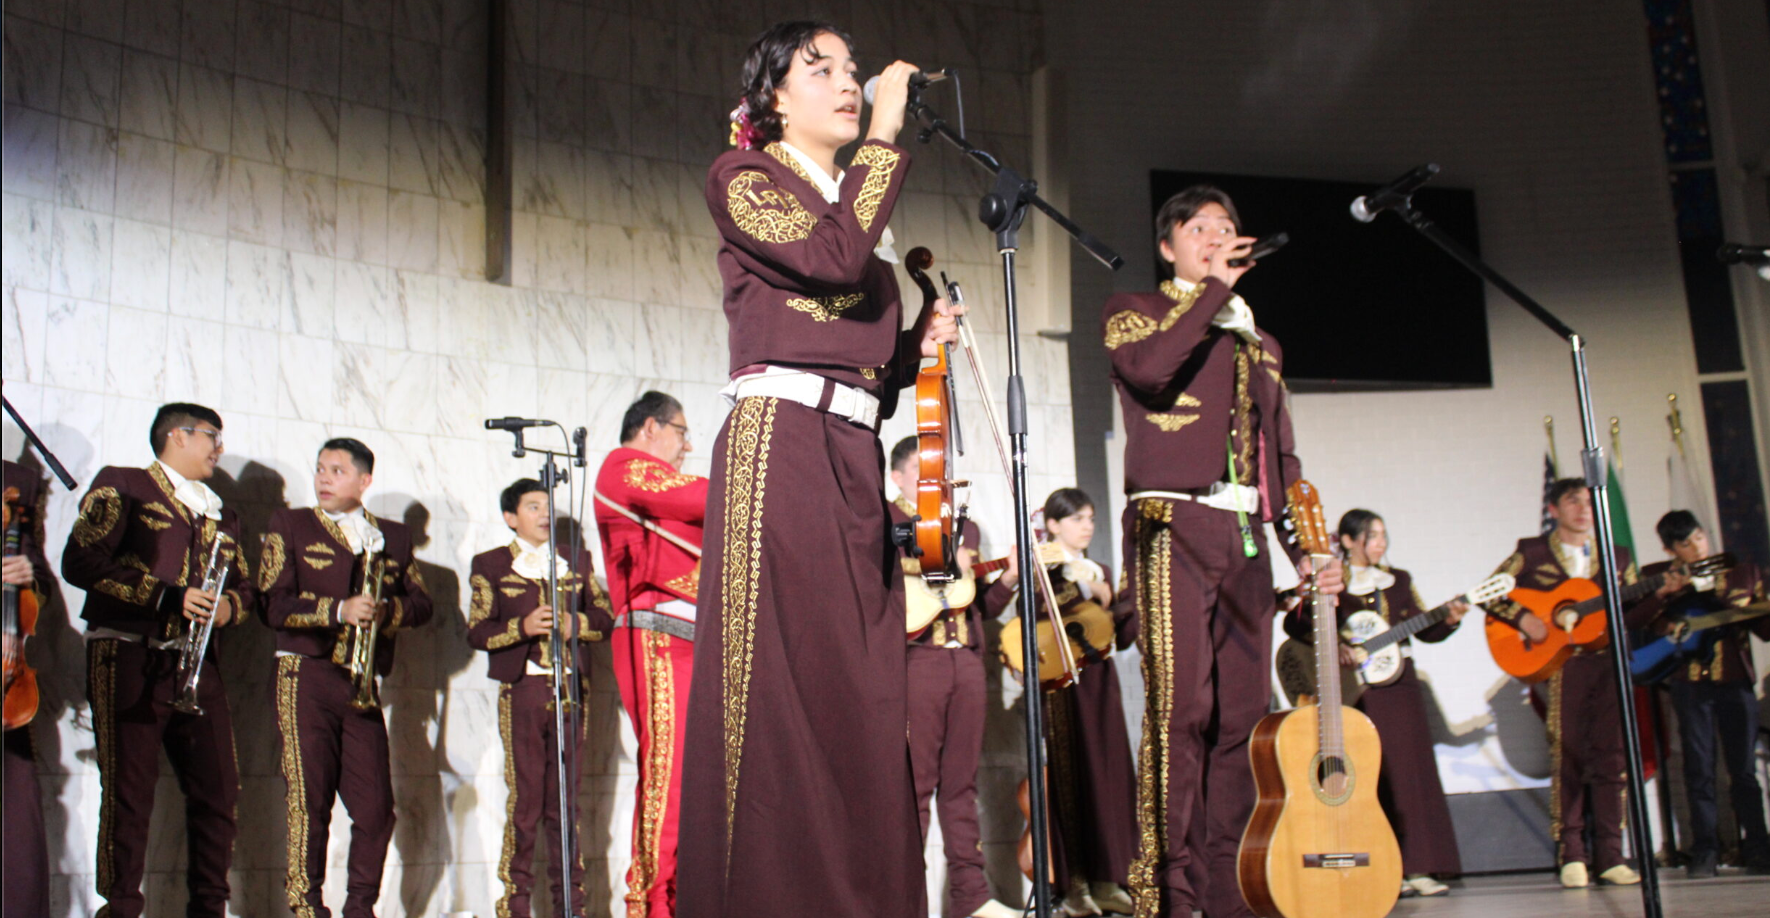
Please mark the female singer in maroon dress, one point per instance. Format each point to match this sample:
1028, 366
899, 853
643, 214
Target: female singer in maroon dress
797, 797
1092, 780
1409, 788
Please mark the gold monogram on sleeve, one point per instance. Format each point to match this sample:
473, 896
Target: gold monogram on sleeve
765, 211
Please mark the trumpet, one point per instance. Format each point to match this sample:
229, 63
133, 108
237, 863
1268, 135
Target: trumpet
360, 639
195, 643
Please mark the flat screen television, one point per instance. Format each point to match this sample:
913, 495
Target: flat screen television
1356, 306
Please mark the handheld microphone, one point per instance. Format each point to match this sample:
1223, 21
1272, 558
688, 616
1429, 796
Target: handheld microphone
513, 423
1732, 253
918, 80
1396, 193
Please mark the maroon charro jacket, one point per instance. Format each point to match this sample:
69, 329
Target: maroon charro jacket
803, 288
307, 571
135, 549
1185, 386
501, 597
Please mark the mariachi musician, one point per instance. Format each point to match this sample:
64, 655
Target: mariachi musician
947, 709
25, 846
139, 550
321, 569
1584, 723
650, 515
1092, 781
511, 618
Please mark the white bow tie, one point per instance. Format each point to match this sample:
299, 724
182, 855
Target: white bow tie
1235, 316
358, 534
198, 496
531, 561
1367, 580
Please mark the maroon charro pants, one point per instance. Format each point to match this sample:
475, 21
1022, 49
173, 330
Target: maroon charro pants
1586, 746
531, 776
25, 894
947, 708
1206, 613
131, 688
331, 750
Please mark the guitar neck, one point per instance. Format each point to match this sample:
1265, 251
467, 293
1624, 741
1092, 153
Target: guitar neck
985, 568
1327, 668
1628, 593
1408, 628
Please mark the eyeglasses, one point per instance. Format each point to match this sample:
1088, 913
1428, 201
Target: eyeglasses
213, 435
681, 429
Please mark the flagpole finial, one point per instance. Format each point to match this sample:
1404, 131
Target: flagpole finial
1675, 419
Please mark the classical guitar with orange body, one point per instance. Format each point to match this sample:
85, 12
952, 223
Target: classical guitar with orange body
1577, 601
1318, 844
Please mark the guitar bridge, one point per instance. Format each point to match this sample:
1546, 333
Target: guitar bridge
1337, 861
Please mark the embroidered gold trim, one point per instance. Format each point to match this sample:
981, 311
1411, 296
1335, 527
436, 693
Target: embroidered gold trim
1127, 327
332, 528
654, 477
746, 465
414, 577
827, 308
101, 668
320, 617
1171, 422
786, 159
99, 513
1183, 300
1244, 412
154, 523
768, 214
1062, 774
1186, 400
318, 564
655, 773
295, 878
1156, 640
688, 584
506, 734
868, 373
140, 594
513, 592
320, 548
512, 634
481, 607
1555, 737
882, 163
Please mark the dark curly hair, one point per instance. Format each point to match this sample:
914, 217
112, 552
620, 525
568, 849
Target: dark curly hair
767, 62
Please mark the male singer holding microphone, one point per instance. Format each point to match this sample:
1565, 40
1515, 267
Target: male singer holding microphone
511, 619
653, 578
1208, 455
315, 579
139, 550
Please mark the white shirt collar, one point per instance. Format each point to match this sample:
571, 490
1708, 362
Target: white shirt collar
1367, 580
531, 560
195, 495
359, 534
831, 188
1235, 316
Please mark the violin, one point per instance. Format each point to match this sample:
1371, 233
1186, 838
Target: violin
19, 622
937, 442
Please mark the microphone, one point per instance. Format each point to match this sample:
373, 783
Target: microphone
918, 80
1394, 194
513, 423
1732, 253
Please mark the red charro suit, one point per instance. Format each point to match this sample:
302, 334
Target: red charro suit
652, 583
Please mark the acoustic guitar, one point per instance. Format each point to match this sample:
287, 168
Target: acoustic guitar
925, 600
1376, 643
1318, 844
1583, 601
1695, 639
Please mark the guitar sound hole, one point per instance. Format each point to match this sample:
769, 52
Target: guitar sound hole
1331, 776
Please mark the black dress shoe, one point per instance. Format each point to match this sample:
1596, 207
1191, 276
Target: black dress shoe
1701, 866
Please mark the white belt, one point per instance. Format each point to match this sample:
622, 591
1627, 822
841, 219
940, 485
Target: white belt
1222, 496
846, 402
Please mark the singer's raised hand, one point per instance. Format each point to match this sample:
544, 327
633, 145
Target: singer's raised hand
889, 99
1230, 249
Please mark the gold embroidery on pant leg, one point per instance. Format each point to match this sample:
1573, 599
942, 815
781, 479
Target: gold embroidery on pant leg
509, 852
1555, 742
746, 462
101, 681
1154, 544
295, 881
660, 717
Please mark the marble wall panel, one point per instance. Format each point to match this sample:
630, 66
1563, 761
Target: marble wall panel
276, 208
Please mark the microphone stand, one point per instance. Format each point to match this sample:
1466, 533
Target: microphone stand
1594, 468
1003, 210
55, 466
566, 698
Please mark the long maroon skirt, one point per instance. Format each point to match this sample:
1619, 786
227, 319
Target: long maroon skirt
1412, 795
797, 797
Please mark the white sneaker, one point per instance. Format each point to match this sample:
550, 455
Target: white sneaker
1425, 885
1112, 898
994, 909
1620, 875
1079, 904
1573, 875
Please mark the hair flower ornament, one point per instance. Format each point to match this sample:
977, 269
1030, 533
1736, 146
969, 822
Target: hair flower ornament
744, 134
